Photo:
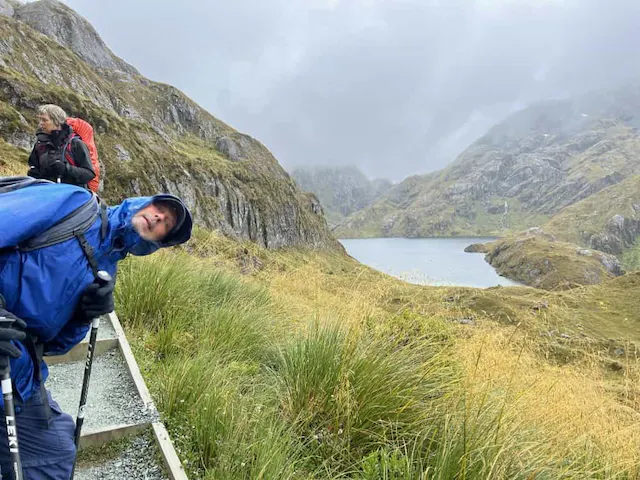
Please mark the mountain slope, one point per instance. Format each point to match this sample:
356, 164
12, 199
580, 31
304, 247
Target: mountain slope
150, 136
519, 174
608, 220
341, 190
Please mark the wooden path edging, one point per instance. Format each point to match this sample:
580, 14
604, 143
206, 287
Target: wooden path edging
169, 456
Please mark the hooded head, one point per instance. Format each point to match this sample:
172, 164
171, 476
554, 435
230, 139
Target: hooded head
146, 224
165, 221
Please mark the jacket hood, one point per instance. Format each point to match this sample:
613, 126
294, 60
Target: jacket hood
124, 237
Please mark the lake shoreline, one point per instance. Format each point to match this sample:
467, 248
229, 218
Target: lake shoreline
436, 261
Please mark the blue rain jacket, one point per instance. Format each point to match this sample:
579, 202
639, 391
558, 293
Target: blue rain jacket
44, 286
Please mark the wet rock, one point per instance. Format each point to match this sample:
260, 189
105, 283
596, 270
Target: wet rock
610, 263
235, 149
540, 306
466, 321
619, 233
122, 153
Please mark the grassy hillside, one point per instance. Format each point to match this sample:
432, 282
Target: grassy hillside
310, 365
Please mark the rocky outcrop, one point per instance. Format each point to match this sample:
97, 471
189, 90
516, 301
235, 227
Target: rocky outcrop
235, 150
150, 136
538, 260
608, 220
477, 248
238, 216
619, 234
59, 22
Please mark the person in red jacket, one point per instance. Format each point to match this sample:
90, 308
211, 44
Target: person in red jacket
59, 155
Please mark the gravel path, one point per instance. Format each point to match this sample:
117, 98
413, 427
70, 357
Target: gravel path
138, 460
112, 398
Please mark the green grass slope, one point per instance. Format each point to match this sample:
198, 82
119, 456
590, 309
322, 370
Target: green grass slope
313, 366
548, 264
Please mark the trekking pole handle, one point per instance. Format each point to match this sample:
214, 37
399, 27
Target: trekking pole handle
10, 418
102, 278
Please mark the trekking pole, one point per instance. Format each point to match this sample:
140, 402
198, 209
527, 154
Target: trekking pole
10, 417
103, 278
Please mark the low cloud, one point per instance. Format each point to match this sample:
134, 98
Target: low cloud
395, 87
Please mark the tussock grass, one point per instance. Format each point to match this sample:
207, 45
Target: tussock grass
346, 392
184, 307
312, 366
574, 405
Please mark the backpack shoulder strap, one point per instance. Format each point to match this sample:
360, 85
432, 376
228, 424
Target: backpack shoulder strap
77, 221
74, 225
84, 244
104, 219
67, 148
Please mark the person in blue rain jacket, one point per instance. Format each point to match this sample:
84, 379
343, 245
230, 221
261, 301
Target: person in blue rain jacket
51, 294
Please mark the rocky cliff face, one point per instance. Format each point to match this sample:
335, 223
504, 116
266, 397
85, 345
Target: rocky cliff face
608, 221
341, 190
520, 173
150, 136
59, 22
619, 234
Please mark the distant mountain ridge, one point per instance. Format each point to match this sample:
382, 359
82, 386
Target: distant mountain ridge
341, 190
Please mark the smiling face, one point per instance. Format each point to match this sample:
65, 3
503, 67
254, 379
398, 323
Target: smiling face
154, 221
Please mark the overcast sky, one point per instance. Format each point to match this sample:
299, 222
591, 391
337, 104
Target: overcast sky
395, 87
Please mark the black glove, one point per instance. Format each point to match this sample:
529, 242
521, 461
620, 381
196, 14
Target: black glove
54, 169
11, 328
34, 172
96, 300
